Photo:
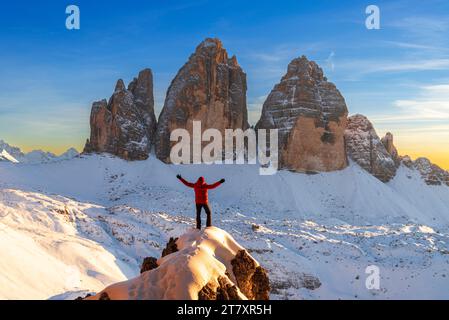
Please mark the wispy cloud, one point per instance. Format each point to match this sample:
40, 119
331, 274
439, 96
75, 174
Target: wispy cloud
330, 61
417, 46
426, 31
358, 68
422, 24
430, 104
287, 51
413, 65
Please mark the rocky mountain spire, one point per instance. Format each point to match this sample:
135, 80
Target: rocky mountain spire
210, 88
310, 114
387, 141
366, 149
125, 125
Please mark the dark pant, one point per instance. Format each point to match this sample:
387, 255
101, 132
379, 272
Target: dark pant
198, 215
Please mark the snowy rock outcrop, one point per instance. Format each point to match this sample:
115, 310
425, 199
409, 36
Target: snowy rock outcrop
310, 114
210, 88
431, 173
208, 265
365, 148
14, 152
5, 156
125, 125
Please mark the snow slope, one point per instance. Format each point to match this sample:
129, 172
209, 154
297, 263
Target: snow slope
5, 156
315, 234
43, 253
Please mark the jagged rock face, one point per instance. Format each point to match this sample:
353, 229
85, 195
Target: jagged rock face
125, 125
431, 173
170, 248
221, 289
365, 148
210, 88
252, 279
310, 114
387, 141
148, 264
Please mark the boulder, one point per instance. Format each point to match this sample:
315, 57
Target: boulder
171, 247
148, 264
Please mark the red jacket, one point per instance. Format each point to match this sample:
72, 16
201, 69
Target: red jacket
201, 189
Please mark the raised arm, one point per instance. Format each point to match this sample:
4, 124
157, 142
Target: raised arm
185, 182
216, 184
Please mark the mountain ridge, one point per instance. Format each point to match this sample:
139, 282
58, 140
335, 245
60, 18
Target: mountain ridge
36, 156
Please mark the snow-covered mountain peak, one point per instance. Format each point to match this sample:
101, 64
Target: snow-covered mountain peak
15, 155
5, 156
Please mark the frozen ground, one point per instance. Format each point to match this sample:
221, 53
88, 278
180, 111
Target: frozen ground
76, 226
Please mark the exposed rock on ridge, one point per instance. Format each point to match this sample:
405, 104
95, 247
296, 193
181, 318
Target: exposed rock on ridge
431, 173
388, 143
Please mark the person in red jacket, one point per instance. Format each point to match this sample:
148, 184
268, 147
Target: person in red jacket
201, 189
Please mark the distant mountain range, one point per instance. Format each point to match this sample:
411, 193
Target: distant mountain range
13, 154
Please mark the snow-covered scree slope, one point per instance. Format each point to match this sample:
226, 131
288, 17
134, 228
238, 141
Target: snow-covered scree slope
315, 234
204, 259
5, 156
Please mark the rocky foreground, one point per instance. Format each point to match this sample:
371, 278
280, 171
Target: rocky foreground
200, 265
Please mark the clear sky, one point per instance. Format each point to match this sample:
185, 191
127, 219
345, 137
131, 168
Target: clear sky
398, 76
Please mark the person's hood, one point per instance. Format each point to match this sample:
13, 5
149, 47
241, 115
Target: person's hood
201, 181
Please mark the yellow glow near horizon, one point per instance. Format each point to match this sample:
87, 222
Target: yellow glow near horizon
434, 154
434, 146
429, 145
56, 149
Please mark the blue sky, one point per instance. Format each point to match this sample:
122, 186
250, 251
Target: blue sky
398, 75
